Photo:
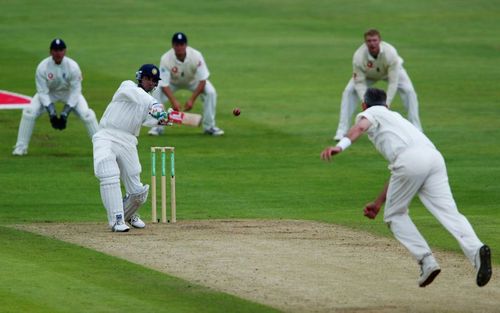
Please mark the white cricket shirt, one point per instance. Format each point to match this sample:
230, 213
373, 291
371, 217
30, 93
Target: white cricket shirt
128, 109
385, 67
182, 74
58, 82
390, 133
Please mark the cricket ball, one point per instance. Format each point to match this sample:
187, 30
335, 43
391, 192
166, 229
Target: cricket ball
236, 111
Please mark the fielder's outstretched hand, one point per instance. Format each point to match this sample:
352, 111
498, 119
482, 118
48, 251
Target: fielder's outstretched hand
327, 154
371, 210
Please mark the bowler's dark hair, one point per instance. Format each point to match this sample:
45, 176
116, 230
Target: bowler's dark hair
374, 96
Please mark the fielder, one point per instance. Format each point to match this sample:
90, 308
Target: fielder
184, 68
417, 167
376, 60
115, 147
58, 78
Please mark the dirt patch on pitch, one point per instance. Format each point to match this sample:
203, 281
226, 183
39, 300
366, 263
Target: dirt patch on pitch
296, 266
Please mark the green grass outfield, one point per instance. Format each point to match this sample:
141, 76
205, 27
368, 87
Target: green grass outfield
285, 63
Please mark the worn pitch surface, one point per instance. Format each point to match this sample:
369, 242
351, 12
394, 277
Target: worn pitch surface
296, 266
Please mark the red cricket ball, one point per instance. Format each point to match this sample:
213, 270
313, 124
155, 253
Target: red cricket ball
236, 111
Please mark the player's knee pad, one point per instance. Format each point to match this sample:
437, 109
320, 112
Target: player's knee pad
109, 180
132, 202
30, 114
88, 115
107, 171
90, 121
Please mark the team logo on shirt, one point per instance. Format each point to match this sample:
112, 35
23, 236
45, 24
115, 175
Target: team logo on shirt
175, 69
199, 64
50, 76
369, 64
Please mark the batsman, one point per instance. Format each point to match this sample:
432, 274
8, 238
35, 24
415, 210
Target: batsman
115, 147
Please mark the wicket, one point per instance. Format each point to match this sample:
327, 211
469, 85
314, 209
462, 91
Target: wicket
163, 151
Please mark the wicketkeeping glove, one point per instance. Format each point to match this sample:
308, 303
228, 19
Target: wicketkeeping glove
54, 121
64, 116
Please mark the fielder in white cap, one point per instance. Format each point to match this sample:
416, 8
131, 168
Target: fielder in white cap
58, 79
417, 167
376, 60
184, 68
115, 147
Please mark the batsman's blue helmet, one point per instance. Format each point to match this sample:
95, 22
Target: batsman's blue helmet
148, 70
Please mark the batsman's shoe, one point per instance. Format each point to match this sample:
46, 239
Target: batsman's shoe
483, 266
156, 131
120, 226
20, 151
429, 269
136, 222
214, 131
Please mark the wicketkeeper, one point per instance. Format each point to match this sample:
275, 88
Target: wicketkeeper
58, 79
115, 147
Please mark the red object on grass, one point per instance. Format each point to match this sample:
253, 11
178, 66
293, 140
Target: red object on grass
12, 100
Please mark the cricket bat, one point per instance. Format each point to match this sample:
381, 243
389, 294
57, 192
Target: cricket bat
185, 118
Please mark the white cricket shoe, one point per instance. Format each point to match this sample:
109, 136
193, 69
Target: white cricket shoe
483, 266
120, 226
214, 131
20, 151
136, 221
156, 131
429, 269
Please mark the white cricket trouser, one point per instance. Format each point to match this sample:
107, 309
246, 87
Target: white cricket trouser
35, 109
422, 171
116, 158
208, 97
350, 101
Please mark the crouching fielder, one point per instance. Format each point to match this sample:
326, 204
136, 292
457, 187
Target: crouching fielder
115, 147
58, 79
416, 167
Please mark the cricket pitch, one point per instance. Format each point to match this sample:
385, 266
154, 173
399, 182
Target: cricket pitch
295, 266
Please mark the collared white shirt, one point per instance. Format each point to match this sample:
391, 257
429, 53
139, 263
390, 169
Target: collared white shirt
385, 67
58, 82
182, 74
390, 133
